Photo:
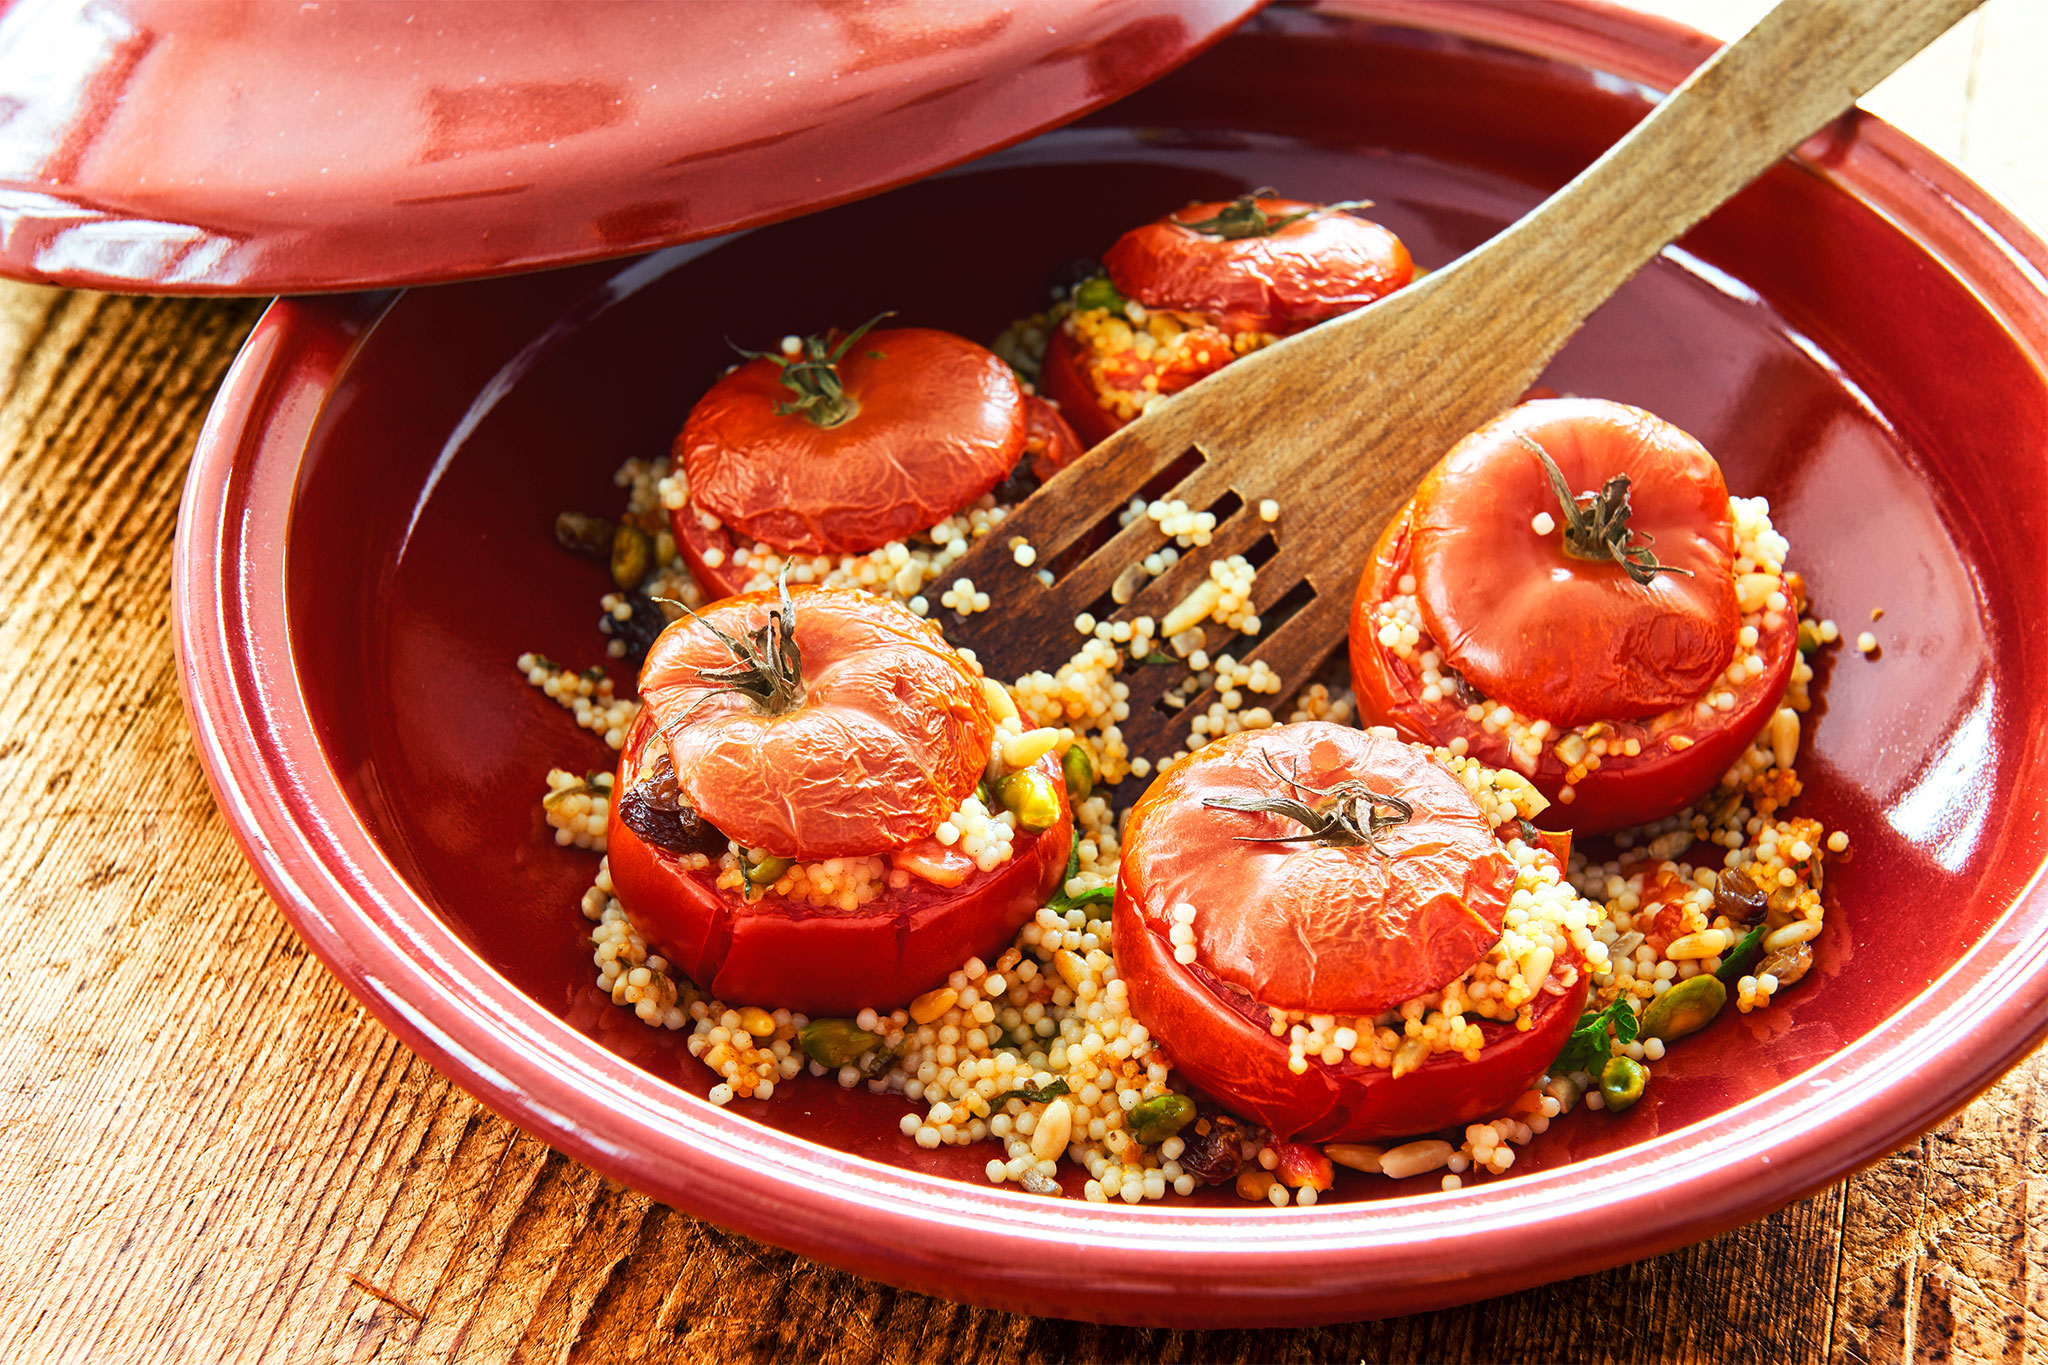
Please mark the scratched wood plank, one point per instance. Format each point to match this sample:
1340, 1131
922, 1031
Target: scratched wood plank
209, 1152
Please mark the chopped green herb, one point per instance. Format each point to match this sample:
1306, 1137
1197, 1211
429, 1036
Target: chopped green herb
1736, 965
1595, 1037
1028, 1095
1099, 895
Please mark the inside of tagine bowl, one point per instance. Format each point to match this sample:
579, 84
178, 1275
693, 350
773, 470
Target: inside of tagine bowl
1823, 355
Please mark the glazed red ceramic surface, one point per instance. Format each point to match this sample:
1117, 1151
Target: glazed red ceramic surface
222, 146
366, 550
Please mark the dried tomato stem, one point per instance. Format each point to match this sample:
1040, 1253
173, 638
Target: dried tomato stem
1242, 217
1350, 814
1596, 525
813, 376
768, 667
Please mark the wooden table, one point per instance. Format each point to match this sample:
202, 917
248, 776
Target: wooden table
208, 1151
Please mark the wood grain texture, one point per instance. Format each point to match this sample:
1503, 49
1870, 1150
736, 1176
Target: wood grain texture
208, 1152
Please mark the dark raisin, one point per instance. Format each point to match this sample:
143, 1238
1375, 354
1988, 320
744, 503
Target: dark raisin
588, 536
639, 630
1214, 1151
1737, 896
1789, 964
1464, 691
1020, 484
653, 808
1062, 281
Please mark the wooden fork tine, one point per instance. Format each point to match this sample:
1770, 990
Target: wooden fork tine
1294, 650
1235, 535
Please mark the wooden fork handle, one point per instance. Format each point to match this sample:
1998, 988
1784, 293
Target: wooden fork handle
1803, 64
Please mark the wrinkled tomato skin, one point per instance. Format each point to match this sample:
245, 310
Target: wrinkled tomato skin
1063, 377
1311, 269
1234, 1058
1623, 791
1345, 930
1350, 929
828, 962
1050, 443
1554, 635
936, 422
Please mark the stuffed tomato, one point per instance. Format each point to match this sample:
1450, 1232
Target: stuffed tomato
1326, 931
808, 812
847, 444
1181, 297
1621, 647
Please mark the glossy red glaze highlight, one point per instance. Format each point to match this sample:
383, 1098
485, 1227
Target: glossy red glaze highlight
829, 962
1862, 336
209, 147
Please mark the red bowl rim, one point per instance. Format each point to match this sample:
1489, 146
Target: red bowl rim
990, 1244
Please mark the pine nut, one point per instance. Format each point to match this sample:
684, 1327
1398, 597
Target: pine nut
1414, 1158
1785, 736
1126, 586
1027, 748
999, 704
1049, 1138
757, 1021
1193, 609
1798, 931
1359, 1156
1706, 943
1071, 968
932, 1004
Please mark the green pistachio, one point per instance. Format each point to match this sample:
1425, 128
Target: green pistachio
1687, 1007
1622, 1081
1031, 797
1159, 1118
836, 1042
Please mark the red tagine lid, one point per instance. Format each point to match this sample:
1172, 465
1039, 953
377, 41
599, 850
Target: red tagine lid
212, 146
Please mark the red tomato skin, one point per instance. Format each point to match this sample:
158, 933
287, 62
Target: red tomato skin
939, 422
1049, 442
1063, 377
829, 962
1312, 269
1558, 637
693, 540
892, 723
1623, 791
1049, 438
1238, 1062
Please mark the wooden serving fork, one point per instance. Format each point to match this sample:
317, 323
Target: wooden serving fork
1338, 423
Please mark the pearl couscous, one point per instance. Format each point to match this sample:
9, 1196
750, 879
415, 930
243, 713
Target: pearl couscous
1035, 1051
